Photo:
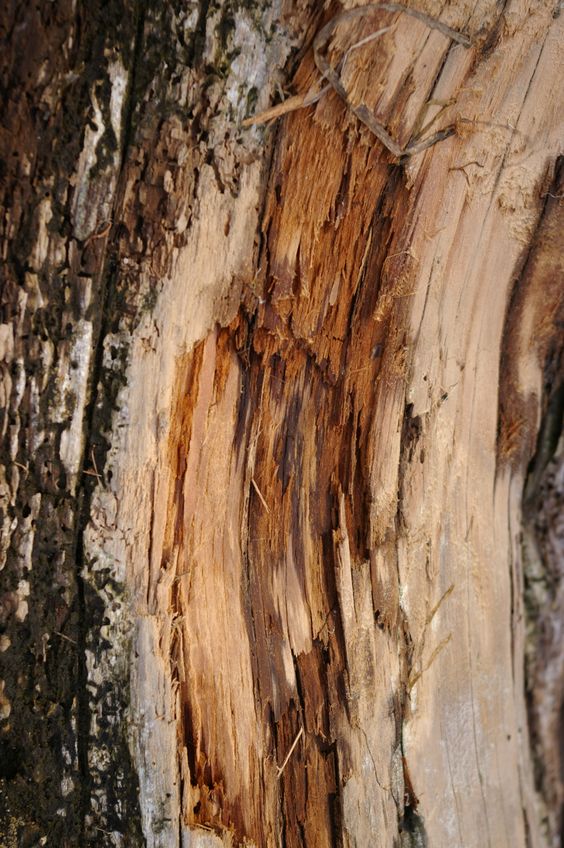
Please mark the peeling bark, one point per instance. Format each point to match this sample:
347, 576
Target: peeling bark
532, 370
277, 568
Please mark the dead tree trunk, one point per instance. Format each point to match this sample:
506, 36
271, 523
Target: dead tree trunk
281, 487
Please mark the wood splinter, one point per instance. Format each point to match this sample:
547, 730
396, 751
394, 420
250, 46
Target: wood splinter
334, 78
280, 769
260, 495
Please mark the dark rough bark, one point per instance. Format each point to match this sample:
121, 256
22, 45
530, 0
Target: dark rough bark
538, 292
54, 298
543, 559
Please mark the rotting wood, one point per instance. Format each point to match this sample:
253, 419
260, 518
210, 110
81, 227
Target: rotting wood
344, 367
107, 154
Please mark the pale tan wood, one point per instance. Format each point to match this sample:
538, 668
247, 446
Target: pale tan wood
442, 521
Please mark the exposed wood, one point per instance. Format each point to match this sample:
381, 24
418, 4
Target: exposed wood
275, 465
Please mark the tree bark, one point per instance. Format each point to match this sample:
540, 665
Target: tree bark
281, 467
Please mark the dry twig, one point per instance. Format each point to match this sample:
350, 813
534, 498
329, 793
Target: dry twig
334, 78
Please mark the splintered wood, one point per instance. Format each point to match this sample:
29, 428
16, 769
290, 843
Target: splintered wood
330, 621
334, 76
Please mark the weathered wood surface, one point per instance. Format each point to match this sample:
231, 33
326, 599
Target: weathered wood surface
279, 496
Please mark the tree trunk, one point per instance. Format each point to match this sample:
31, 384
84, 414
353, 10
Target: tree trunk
281, 476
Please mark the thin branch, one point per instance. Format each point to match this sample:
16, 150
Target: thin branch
62, 635
334, 77
95, 473
298, 101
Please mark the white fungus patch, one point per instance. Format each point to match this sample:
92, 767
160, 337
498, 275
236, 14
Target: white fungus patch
75, 382
118, 79
84, 214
